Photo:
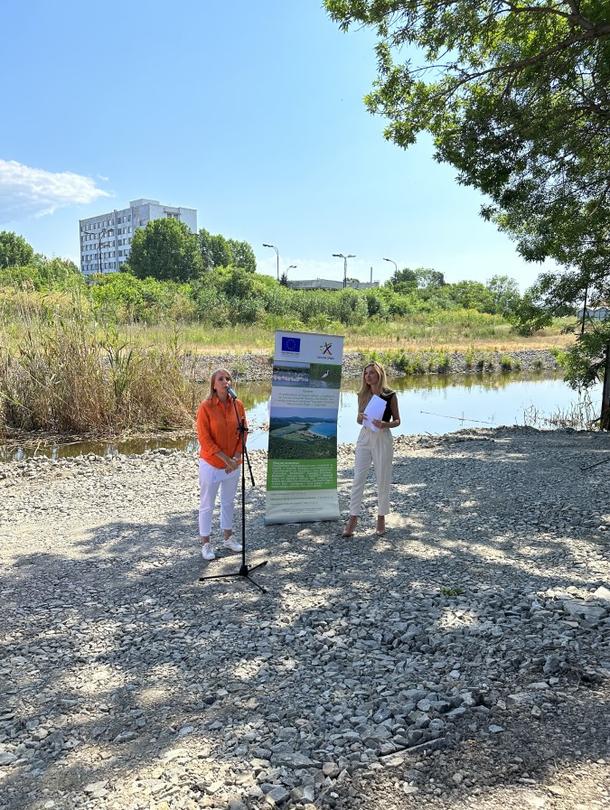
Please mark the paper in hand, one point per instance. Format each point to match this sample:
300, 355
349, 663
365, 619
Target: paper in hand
374, 410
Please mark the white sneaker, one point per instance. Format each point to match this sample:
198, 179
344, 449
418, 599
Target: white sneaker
232, 544
207, 551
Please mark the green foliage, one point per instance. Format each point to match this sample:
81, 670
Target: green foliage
43, 274
516, 99
451, 591
505, 294
217, 251
429, 279
123, 298
242, 255
14, 250
508, 363
583, 364
165, 250
403, 281
473, 295
376, 305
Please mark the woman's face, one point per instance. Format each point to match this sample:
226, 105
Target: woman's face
371, 376
222, 381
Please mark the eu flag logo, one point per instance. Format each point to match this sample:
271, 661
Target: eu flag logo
291, 344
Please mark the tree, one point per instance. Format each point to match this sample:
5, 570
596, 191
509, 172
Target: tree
242, 255
517, 99
428, 279
14, 250
505, 293
404, 281
217, 251
471, 295
166, 250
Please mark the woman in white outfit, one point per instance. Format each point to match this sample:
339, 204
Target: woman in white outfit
373, 447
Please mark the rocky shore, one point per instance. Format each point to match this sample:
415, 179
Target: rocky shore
460, 661
257, 367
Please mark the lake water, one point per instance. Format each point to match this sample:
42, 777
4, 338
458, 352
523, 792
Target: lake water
431, 404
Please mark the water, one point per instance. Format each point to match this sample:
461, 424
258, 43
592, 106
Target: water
432, 404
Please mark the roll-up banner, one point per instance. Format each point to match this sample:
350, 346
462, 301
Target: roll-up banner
302, 457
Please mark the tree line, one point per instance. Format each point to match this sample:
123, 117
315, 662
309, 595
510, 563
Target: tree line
166, 278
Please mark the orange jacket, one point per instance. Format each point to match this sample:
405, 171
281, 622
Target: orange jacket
217, 429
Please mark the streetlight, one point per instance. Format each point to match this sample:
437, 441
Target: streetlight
102, 233
284, 278
394, 263
345, 258
277, 258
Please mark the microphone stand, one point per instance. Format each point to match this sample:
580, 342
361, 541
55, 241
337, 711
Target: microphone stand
245, 570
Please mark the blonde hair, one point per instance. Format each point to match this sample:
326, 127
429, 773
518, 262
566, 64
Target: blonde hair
212, 393
365, 393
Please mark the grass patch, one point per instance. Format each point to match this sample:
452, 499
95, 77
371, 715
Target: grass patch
449, 591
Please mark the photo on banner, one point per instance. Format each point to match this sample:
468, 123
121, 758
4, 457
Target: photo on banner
302, 456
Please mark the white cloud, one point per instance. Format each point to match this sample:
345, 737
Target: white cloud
26, 191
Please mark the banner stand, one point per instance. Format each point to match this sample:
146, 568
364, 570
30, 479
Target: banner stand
302, 455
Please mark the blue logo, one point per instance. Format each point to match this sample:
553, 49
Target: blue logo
291, 344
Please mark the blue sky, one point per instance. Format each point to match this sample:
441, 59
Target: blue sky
250, 112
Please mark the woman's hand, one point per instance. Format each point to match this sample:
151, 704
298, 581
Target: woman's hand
360, 418
379, 424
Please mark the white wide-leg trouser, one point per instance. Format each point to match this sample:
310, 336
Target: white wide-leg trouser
210, 479
372, 447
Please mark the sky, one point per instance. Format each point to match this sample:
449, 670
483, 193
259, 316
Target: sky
250, 112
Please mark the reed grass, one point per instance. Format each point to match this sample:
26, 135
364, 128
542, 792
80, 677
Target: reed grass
66, 375
580, 415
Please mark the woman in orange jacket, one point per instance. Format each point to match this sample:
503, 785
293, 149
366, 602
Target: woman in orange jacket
219, 459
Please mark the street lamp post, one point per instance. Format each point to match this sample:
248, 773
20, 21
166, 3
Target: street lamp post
102, 233
277, 258
345, 258
394, 263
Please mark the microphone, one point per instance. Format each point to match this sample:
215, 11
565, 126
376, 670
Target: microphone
231, 393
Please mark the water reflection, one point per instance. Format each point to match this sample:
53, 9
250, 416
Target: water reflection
428, 404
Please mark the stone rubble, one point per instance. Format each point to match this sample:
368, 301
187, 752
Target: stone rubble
462, 660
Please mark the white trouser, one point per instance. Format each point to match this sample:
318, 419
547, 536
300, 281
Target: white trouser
210, 478
374, 447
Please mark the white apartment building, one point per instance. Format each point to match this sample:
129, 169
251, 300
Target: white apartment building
105, 240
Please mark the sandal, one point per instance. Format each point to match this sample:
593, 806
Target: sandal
351, 524
380, 526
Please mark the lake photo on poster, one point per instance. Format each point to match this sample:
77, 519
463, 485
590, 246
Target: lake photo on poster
302, 433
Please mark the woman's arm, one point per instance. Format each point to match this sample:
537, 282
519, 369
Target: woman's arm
394, 421
395, 413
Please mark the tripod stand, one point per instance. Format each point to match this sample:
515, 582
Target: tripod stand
245, 570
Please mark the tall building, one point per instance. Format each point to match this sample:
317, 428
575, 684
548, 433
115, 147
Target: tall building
105, 240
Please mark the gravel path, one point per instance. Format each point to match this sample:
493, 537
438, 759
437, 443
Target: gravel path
462, 661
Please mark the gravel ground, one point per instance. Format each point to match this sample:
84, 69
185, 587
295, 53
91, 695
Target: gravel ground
461, 661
